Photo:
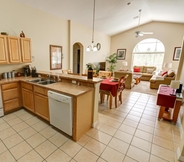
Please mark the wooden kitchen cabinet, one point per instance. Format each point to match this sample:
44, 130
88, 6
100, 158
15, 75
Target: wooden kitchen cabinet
3, 50
27, 96
26, 49
15, 50
11, 96
41, 102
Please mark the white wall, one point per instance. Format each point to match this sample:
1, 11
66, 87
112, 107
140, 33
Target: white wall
80, 33
45, 29
170, 34
42, 28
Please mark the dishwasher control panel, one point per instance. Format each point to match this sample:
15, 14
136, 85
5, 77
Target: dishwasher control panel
59, 97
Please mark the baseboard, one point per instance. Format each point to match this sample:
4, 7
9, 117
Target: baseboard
181, 159
95, 124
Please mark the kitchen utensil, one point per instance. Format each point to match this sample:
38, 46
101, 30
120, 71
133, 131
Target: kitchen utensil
4, 75
13, 74
9, 75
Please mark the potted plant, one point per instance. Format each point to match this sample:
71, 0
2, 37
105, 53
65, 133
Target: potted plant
89, 66
112, 60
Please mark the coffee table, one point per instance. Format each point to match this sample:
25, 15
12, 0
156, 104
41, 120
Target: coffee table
137, 78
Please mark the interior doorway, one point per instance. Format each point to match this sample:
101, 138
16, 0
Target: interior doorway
77, 58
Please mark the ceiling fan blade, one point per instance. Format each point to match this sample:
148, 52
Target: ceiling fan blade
147, 32
139, 33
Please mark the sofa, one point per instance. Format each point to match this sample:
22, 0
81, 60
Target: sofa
129, 81
164, 78
146, 71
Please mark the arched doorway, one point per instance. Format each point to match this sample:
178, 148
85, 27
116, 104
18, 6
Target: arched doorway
77, 58
149, 52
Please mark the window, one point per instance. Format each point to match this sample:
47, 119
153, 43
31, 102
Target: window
149, 52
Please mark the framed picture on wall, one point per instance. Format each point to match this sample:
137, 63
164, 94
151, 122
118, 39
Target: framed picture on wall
121, 54
177, 53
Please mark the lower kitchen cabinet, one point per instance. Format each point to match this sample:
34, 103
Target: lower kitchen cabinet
27, 96
41, 106
11, 96
41, 102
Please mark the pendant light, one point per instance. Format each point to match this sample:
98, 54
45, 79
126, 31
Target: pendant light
93, 47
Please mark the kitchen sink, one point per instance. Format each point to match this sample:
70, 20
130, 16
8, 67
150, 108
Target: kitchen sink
36, 80
45, 82
41, 81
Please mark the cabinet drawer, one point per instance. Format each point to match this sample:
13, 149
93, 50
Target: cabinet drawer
11, 104
27, 86
9, 86
10, 94
40, 90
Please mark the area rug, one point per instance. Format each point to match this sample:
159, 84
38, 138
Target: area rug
144, 87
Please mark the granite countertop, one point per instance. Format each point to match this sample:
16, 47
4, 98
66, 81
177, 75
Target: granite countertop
61, 87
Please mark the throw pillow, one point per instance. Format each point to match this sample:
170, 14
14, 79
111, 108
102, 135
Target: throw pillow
149, 70
136, 69
171, 74
165, 72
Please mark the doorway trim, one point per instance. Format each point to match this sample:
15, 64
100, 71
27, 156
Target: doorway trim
77, 65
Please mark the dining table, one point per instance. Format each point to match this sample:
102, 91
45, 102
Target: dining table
111, 86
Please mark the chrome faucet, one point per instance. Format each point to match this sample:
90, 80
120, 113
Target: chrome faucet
54, 78
48, 76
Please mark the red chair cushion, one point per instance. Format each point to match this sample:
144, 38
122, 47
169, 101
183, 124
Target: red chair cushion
136, 69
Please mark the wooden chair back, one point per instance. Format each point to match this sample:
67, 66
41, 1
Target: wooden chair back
121, 83
66, 71
86, 72
106, 74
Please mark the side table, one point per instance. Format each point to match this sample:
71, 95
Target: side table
169, 105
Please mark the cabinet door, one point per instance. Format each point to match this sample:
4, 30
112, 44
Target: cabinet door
26, 49
28, 100
14, 49
3, 50
41, 106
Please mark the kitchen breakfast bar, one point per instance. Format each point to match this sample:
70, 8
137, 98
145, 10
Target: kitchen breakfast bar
23, 92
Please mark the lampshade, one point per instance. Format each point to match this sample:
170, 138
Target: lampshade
175, 84
168, 65
125, 63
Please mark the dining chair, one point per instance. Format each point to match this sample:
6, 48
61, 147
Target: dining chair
66, 71
121, 87
86, 72
106, 74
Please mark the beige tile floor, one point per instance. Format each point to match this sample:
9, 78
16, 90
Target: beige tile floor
129, 133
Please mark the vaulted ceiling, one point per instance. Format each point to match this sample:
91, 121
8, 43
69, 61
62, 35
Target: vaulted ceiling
112, 16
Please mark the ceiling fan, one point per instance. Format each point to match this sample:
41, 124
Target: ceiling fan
140, 33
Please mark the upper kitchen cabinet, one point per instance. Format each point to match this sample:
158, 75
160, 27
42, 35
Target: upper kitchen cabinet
3, 50
15, 50
26, 49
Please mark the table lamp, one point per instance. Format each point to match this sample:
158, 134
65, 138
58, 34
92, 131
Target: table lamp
175, 84
124, 64
168, 65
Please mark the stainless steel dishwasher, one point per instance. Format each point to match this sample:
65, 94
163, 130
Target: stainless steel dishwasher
60, 109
